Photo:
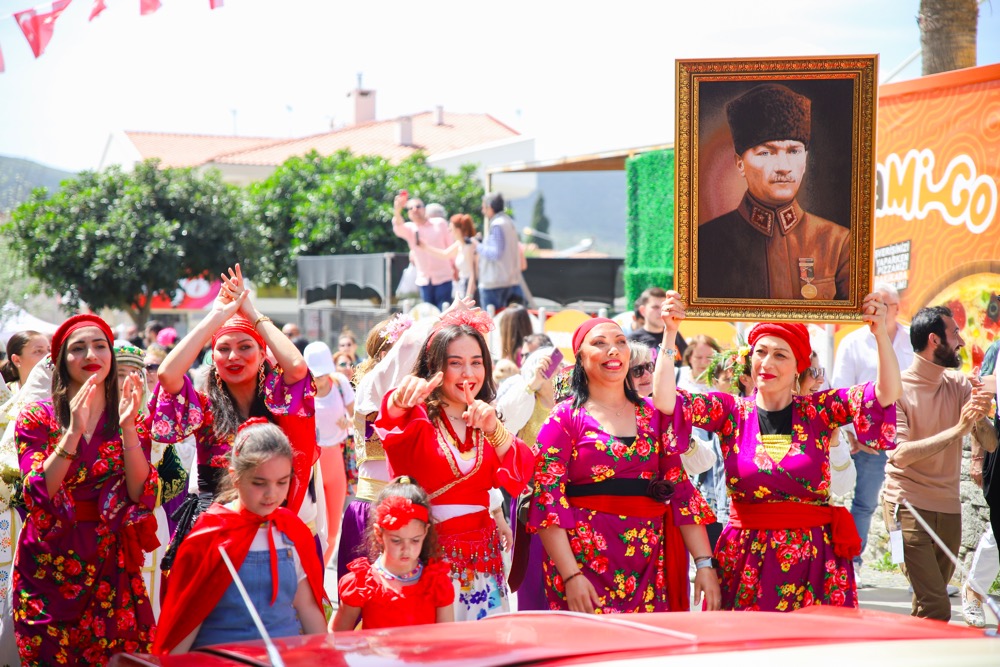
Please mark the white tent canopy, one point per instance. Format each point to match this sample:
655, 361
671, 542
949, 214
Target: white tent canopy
13, 318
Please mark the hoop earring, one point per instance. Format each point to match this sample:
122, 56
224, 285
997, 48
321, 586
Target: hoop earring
260, 379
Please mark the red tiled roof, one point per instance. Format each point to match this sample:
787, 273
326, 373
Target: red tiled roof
460, 130
191, 150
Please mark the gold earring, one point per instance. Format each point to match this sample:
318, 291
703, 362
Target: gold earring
218, 379
260, 379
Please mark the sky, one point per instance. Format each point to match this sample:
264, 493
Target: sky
580, 77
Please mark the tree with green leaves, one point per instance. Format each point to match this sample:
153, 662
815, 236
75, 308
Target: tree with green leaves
115, 239
342, 204
540, 223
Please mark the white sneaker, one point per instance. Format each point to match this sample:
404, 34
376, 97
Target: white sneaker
857, 576
972, 611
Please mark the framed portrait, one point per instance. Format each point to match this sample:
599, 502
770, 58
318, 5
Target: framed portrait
774, 192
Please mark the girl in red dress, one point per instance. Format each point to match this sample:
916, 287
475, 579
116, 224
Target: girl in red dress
405, 583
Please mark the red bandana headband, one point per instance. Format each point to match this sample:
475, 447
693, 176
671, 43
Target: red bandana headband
479, 320
78, 322
796, 335
395, 512
238, 324
582, 330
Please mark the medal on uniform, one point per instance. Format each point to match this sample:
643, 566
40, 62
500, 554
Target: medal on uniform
807, 275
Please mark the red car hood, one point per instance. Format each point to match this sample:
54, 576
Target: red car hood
546, 637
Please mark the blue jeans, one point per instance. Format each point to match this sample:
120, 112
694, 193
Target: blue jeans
499, 297
436, 294
871, 474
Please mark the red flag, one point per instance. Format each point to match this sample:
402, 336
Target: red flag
99, 7
214, 4
148, 6
37, 26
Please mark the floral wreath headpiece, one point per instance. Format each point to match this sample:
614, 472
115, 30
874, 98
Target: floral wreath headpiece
253, 421
737, 360
479, 320
396, 511
396, 327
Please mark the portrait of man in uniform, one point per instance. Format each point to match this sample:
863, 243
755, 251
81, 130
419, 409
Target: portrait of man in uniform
769, 247
774, 162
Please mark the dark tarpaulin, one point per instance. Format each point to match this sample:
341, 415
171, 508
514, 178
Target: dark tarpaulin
563, 280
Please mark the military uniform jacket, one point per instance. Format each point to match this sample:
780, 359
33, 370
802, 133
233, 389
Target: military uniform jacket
760, 252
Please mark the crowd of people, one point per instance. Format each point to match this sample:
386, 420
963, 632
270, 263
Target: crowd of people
452, 261
645, 473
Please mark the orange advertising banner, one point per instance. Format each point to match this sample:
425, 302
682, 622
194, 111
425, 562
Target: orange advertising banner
937, 232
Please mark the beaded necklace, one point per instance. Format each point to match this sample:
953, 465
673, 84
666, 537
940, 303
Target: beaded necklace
408, 578
463, 447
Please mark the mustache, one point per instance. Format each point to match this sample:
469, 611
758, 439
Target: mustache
782, 179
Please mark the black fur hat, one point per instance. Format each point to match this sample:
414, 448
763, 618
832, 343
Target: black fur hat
769, 112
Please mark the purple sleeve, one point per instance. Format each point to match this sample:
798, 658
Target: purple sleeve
858, 405
173, 417
687, 504
36, 434
556, 442
290, 399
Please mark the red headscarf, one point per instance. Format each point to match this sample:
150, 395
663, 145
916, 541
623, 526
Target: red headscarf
796, 335
238, 324
582, 330
78, 322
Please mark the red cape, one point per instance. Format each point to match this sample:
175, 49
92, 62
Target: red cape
199, 576
301, 432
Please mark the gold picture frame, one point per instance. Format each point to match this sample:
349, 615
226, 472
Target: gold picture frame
806, 127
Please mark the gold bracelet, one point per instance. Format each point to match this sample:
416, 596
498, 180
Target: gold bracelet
60, 451
262, 318
499, 437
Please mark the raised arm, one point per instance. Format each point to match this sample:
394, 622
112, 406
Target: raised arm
451, 252
888, 385
180, 359
664, 378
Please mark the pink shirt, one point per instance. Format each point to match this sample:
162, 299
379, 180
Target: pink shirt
431, 269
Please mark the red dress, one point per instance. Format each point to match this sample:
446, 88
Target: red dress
416, 604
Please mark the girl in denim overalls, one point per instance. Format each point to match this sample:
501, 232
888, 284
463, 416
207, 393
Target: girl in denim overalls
272, 548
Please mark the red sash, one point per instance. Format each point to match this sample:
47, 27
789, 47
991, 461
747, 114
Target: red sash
301, 432
199, 576
789, 514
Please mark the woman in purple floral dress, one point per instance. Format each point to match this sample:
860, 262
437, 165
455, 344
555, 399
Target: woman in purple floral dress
241, 384
608, 489
785, 547
89, 492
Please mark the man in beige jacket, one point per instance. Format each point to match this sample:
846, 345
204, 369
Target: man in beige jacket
937, 409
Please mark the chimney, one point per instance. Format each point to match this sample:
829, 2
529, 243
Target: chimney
363, 102
404, 131
439, 115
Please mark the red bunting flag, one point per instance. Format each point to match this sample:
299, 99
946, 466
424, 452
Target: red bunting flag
148, 6
99, 7
37, 25
214, 4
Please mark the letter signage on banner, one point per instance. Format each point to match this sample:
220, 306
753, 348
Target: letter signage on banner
937, 238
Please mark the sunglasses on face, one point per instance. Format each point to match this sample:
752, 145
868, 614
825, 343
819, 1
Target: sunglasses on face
152, 368
343, 364
816, 373
640, 370
414, 207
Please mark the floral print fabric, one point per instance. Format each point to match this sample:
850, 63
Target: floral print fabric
783, 570
622, 556
74, 602
176, 416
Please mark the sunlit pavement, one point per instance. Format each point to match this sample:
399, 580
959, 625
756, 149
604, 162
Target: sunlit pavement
897, 600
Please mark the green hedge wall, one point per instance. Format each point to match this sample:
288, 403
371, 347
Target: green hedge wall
649, 259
